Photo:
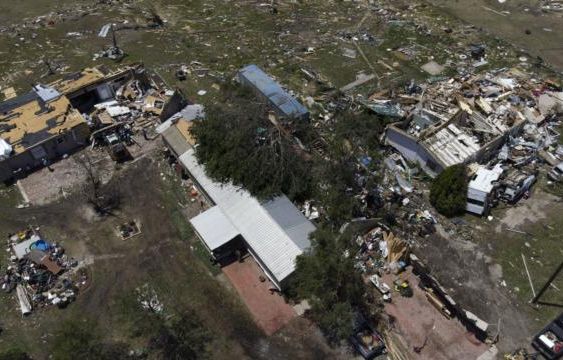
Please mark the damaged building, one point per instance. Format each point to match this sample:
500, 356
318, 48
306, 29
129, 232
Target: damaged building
454, 122
53, 121
283, 104
273, 232
36, 128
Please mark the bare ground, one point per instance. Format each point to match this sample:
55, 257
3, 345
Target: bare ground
163, 255
480, 264
473, 280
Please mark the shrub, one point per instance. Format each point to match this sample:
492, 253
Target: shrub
448, 193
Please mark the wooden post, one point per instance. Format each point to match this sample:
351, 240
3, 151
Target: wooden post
528, 273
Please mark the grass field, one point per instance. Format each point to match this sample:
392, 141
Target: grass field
164, 256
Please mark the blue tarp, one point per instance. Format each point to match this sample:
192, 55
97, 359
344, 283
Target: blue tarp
41, 245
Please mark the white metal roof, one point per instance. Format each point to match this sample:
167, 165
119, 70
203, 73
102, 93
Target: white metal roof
275, 230
214, 227
485, 178
452, 146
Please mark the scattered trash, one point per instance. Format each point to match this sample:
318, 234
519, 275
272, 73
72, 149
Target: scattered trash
128, 230
40, 271
148, 298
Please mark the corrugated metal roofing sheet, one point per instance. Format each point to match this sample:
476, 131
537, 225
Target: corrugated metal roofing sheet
275, 230
284, 102
175, 140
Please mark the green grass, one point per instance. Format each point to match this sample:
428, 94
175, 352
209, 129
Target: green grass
10, 196
173, 195
542, 258
543, 250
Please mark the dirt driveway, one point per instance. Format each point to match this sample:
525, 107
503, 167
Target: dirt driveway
472, 279
420, 324
269, 310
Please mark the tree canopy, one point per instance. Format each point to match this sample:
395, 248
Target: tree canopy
448, 193
237, 143
327, 277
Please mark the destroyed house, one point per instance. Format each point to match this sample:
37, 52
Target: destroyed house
438, 134
91, 86
285, 105
36, 128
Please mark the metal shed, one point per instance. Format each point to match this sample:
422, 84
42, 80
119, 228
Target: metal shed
282, 102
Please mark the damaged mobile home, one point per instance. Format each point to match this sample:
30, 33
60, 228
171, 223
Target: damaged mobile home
454, 122
284, 105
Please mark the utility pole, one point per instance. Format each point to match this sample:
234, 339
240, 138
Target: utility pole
547, 283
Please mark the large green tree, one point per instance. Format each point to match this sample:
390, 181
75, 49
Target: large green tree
327, 277
237, 143
448, 192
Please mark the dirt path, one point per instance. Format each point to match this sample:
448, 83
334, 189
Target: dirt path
527, 211
473, 280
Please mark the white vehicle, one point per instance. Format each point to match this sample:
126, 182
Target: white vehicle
556, 174
382, 287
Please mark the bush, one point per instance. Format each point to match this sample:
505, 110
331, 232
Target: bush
448, 193
14, 354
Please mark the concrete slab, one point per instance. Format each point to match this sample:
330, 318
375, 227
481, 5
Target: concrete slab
433, 68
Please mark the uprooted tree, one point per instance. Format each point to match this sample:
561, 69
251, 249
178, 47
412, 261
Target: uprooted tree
448, 193
237, 143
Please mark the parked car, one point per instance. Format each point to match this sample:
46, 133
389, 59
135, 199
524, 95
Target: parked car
549, 341
366, 340
556, 173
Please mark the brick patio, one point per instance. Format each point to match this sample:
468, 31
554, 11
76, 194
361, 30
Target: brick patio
270, 311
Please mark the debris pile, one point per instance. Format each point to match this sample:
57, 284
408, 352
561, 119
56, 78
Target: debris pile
148, 298
461, 119
40, 272
382, 252
136, 106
